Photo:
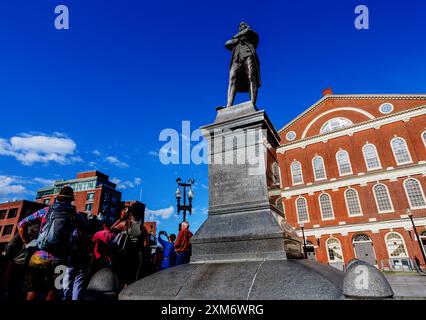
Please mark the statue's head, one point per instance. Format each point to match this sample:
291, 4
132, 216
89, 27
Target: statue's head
243, 25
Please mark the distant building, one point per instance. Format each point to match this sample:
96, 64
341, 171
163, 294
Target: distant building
151, 227
94, 193
352, 167
10, 214
137, 207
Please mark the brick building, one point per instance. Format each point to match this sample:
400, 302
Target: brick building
94, 193
10, 214
352, 168
151, 227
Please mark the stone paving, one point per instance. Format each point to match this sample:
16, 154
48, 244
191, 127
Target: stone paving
407, 286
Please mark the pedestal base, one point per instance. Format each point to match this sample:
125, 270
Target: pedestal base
256, 280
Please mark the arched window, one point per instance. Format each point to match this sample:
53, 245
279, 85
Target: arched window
371, 157
352, 202
280, 204
335, 124
319, 169
396, 246
326, 206
400, 151
276, 174
383, 200
415, 194
302, 210
343, 162
424, 137
361, 237
296, 172
334, 250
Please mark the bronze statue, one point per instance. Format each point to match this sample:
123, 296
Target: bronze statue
244, 73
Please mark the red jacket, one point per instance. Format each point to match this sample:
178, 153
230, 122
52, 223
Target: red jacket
183, 241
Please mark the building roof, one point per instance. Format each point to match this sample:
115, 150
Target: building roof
352, 97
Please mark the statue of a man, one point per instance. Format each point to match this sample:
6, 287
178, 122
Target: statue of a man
244, 73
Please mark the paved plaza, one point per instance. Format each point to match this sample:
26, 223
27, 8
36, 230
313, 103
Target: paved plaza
408, 286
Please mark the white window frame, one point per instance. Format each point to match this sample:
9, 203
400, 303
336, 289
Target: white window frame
292, 174
380, 108
421, 190
328, 253
297, 210
280, 200
365, 158
340, 119
323, 166
423, 138
92, 199
403, 242
338, 166
88, 203
408, 151
331, 204
377, 202
347, 205
281, 178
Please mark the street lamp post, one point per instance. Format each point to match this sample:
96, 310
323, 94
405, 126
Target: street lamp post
190, 195
302, 227
410, 215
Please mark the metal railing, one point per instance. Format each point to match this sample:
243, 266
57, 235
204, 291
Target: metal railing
399, 265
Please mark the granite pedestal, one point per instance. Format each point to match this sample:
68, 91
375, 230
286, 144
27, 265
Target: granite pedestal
242, 250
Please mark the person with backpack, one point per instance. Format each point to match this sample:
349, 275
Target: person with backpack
131, 241
78, 260
55, 243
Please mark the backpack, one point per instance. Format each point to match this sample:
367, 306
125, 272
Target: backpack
57, 235
120, 243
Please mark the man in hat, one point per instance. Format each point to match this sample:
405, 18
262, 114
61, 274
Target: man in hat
58, 225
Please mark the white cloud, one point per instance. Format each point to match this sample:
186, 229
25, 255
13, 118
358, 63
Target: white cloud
126, 184
92, 164
164, 213
46, 182
153, 153
115, 161
12, 188
32, 148
110, 159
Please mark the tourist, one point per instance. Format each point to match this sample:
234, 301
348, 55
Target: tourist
183, 244
157, 259
169, 253
78, 261
17, 256
130, 263
102, 251
57, 226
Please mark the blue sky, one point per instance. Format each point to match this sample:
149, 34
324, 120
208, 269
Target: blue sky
98, 95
